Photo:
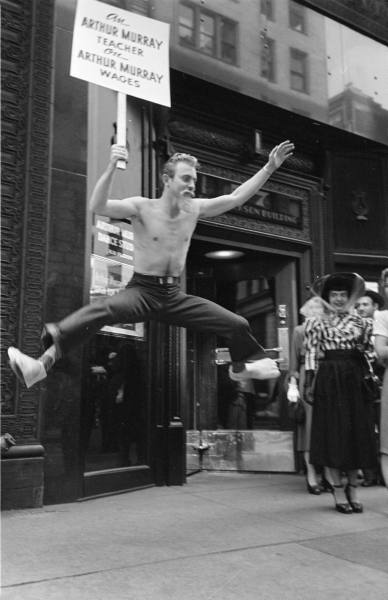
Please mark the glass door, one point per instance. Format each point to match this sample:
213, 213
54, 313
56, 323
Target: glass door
235, 426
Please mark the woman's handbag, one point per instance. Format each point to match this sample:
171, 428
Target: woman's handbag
370, 382
296, 409
299, 413
296, 412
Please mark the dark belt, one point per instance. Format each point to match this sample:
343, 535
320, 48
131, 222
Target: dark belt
165, 279
342, 354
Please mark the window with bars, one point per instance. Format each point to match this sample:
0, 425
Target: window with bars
208, 32
298, 70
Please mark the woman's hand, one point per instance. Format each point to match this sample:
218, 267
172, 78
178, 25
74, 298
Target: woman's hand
293, 392
309, 394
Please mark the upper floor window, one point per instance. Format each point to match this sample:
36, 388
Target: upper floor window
298, 70
187, 25
228, 35
208, 32
268, 58
267, 9
297, 15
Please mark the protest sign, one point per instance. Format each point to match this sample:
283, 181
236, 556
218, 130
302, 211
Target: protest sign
121, 50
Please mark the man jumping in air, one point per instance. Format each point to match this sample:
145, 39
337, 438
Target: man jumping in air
162, 230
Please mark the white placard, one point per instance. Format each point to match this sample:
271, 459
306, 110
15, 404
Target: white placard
121, 50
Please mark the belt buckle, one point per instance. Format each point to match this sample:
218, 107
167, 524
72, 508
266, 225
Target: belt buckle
166, 279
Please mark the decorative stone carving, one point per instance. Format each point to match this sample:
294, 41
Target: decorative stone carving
204, 138
27, 33
247, 223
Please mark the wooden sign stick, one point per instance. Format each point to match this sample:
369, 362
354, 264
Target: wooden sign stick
121, 134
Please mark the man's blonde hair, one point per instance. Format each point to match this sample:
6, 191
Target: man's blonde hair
170, 165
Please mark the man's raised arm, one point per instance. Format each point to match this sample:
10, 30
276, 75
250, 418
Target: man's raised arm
99, 202
217, 206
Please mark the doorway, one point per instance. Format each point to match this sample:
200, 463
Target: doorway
115, 443
243, 427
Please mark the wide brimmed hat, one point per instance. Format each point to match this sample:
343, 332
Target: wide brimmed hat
375, 297
352, 283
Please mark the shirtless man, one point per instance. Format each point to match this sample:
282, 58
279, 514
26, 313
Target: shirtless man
162, 230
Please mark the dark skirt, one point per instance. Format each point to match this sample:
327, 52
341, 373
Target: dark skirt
342, 433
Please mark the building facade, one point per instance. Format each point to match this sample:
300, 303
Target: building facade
148, 404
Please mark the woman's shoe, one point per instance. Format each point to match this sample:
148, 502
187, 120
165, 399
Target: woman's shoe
369, 482
313, 489
342, 507
357, 507
325, 485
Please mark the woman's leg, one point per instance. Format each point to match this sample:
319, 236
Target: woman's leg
340, 499
351, 491
327, 480
311, 473
384, 468
335, 475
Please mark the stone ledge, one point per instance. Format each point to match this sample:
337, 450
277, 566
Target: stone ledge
22, 477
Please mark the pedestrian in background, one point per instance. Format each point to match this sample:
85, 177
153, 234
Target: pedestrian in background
366, 306
380, 331
314, 307
342, 432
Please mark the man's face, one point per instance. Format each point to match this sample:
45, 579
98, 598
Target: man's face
182, 184
338, 298
365, 307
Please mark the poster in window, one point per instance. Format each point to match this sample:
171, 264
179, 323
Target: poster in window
112, 267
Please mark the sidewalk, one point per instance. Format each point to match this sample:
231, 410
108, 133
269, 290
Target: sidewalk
221, 536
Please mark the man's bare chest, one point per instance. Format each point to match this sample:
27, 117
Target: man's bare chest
156, 225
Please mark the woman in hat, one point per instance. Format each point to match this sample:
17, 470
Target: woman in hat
313, 307
342, 433
380, 330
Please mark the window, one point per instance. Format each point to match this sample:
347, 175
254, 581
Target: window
186, 26
266, 8
297, 17
208, 32
228, 41
298, 70
268, 58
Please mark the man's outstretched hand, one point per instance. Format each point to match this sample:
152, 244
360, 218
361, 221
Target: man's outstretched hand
280, 153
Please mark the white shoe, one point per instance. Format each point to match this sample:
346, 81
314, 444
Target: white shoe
264, 368
28, 370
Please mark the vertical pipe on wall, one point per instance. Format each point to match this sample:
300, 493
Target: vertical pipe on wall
150, 148
143, 144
